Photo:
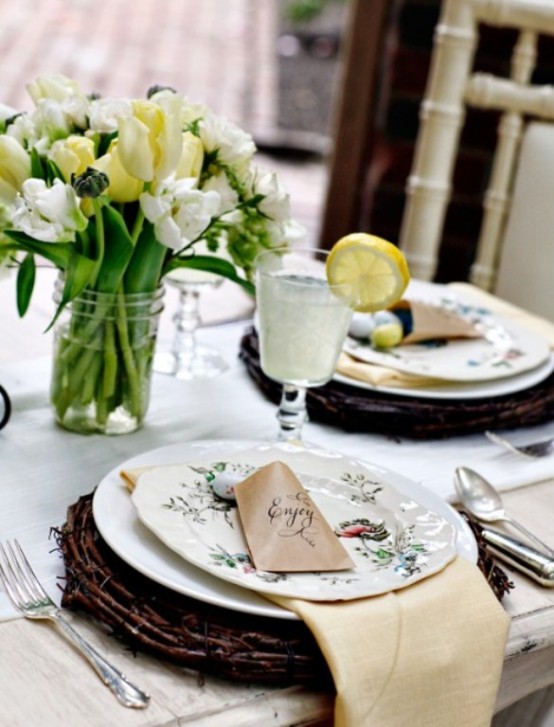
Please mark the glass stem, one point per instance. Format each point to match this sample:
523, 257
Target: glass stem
187, 320
292, 412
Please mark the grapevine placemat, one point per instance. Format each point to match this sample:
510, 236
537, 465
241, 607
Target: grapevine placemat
210, 639
356, 409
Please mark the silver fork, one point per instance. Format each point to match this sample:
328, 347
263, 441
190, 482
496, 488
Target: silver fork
29, 598
534, 450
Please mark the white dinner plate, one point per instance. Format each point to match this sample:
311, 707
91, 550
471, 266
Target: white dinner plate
119, 525
462, 390
505, 349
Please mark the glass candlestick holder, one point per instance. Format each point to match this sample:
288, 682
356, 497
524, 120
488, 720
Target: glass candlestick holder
187, 359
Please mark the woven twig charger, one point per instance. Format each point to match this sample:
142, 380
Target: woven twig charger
210, 639
362, 410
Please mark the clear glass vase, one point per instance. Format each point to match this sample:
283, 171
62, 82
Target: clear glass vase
103, 352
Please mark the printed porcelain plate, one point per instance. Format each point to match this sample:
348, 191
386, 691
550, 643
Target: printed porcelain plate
119, 525
462, 390
506, 348
392, 539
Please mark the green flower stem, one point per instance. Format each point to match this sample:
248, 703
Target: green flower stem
87, 332
110, 362
89, 383
137, 226
104, 350
128, 358
100, 240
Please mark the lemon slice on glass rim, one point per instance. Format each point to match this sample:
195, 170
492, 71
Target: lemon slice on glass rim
372, 273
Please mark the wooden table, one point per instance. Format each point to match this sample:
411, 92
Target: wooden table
44, 469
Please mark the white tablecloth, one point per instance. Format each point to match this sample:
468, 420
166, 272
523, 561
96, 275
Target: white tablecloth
45, 468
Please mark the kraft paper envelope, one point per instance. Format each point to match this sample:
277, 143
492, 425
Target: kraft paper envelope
283, 527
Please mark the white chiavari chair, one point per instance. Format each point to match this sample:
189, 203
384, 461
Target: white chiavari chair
452, 87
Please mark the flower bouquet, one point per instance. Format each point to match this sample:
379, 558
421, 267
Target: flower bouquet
116, 193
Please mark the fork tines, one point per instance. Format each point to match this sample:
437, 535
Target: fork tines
19, 580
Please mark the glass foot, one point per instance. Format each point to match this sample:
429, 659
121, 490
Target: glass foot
205, 364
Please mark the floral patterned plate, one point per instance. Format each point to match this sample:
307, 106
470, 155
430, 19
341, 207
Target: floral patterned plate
461, 389
506, 348
393, 540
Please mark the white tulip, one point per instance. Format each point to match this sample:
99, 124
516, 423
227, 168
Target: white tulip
15, 167
104, 113
50, 214
179, 212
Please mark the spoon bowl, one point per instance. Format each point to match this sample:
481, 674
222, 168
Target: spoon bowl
484, 502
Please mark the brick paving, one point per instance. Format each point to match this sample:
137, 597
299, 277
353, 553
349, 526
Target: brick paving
218, 52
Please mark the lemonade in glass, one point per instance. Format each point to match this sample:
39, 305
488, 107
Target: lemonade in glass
302, 323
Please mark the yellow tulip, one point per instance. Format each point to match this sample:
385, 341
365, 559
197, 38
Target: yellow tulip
72, 155
15, 167
150, 140
192, 157
123, 187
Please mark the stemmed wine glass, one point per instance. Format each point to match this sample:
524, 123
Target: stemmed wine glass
187, 359
302, 323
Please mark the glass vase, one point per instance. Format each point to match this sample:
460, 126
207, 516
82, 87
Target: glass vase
103, 352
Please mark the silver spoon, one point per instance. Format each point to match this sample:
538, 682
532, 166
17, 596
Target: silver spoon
483, 501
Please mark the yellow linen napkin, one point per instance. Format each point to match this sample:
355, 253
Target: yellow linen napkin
430, 654
384, 376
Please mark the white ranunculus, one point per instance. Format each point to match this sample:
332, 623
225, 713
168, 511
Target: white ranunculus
65, 92
188, 111
23, 129
56, 86
220, 184
104, 113
276, 201
191, 111
234, 146
292, 232
6, 112
50, 121
179, 212
50, 214
284, 233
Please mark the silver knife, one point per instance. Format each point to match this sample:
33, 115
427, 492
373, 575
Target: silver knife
533, 563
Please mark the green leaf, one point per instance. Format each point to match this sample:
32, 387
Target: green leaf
118, 251
145, 269
104, 142
25, 283
58, 253
53, 172
37, 167
211, 264
78, 275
